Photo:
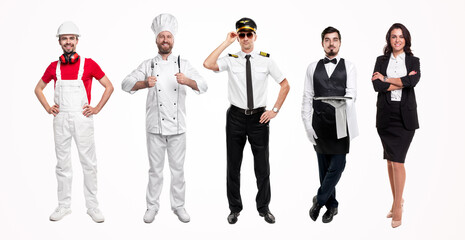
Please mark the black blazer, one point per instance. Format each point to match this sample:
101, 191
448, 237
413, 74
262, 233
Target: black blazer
408, 103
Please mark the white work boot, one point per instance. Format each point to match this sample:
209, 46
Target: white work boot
59, 213
149, 215
96, 215
182, 215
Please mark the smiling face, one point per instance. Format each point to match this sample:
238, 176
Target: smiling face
331, 43
68, 43
247, 41
165, 42
397, 41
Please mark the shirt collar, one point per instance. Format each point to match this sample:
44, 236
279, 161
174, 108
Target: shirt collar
242, 54
400, 56
159, 58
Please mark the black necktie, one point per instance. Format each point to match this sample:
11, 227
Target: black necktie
326, 60
248, 75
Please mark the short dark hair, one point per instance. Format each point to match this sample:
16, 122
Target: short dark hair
405, 33
329, 30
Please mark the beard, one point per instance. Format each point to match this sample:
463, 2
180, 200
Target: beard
331, 53
164, 50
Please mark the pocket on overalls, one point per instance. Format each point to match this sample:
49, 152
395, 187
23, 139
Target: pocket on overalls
58, 125
84, 126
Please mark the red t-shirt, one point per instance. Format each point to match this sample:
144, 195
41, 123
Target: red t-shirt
70, 72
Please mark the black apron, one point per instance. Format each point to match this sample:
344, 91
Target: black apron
324, 119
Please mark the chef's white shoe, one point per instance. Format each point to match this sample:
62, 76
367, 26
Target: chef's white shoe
59, 213
96, 215
182, 215
149, 215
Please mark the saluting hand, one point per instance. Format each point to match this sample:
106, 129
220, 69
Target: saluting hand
150, 81
55, 109
88, 110
232, 36
267, 116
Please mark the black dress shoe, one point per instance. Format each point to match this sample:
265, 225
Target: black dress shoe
269, 218
329, 214
232, 217
315, 210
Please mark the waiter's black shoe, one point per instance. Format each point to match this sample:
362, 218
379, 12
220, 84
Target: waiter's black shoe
232, 217
315, 210
269, 218
329, 214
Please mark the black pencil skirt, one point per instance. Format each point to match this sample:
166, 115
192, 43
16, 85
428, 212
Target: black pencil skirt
395, 138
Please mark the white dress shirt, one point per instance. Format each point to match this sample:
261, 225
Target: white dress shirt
166, 108
237, 84
309, 93
396, 69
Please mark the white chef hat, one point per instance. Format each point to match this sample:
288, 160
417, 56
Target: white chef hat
165, 22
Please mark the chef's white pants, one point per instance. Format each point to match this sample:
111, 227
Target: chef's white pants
68, 125
175, 146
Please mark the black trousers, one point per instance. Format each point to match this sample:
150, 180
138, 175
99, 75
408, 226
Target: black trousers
239, 128
331, 167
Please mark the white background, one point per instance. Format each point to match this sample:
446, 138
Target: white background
118, 37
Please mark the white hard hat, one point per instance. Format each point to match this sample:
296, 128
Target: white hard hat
165, 22
68, 27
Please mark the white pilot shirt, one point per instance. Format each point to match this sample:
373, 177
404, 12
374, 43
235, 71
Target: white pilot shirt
351, 91
261, 67
166, 108
396, 69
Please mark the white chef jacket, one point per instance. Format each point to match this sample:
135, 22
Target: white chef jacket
396, 69
261, 67
351, 91
166, 108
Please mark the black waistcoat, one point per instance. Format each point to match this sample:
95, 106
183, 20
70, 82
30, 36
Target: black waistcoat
324, 120
335, 85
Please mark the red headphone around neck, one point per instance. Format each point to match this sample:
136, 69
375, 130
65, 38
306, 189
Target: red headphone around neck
69, 58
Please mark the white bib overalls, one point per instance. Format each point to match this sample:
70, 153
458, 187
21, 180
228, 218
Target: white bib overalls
71, 97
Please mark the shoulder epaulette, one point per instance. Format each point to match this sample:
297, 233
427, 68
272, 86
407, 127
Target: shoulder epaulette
264, 54
233, 55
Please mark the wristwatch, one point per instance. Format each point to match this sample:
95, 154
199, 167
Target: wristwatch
385, 79
275, 109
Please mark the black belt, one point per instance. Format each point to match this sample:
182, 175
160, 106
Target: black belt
248, 111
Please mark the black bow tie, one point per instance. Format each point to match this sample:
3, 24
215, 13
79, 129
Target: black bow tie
326, 60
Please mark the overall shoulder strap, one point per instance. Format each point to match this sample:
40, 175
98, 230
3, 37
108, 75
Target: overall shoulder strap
81, 68
58, 71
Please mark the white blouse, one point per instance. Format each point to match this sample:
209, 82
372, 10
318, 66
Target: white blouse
396, 69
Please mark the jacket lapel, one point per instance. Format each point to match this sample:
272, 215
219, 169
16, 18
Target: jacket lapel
384, 65
408, 63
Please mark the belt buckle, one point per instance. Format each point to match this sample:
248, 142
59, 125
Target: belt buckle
248, 112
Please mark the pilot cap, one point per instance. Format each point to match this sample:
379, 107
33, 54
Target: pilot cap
246, 24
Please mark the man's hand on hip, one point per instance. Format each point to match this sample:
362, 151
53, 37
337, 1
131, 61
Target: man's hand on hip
55, 109
267, 116
89, 111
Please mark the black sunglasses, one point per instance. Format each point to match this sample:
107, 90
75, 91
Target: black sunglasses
242, 35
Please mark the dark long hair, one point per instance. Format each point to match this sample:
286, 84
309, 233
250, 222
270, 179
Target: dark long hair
405, 33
